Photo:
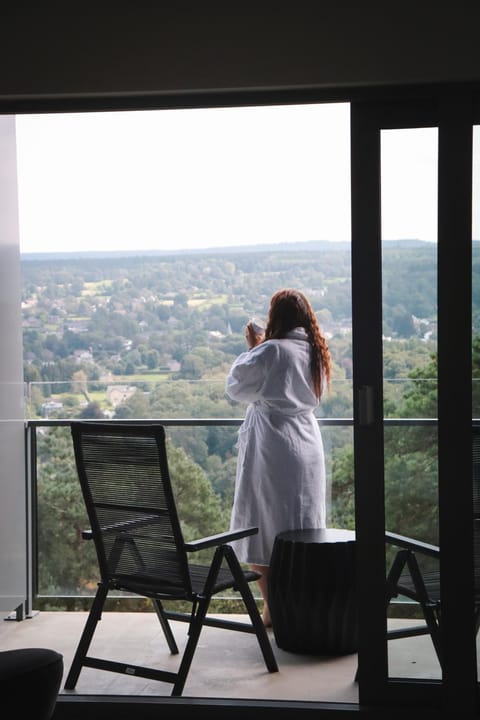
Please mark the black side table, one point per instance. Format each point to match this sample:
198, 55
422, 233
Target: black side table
29, 682
311, 590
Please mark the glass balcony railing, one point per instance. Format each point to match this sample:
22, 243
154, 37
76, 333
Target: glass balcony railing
202, 427
202, 461
202, 458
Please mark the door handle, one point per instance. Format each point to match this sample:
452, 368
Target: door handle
366, 414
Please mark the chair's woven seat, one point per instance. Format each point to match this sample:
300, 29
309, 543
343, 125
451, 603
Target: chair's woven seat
198, 577
225, 579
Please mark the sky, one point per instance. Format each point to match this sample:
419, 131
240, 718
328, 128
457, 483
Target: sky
204, 178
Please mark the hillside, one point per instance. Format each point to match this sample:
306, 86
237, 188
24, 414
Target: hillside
119, 317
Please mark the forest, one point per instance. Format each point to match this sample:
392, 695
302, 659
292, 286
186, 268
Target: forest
151, 336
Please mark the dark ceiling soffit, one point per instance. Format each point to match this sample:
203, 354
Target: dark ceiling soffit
40, 103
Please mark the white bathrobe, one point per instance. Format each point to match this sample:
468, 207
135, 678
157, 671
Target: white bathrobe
280, 483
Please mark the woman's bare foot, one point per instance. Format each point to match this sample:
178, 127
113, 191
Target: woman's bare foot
262, 570
267, 620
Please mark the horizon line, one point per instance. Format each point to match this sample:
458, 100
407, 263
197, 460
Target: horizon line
259, 247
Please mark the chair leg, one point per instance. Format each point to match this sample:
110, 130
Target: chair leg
430, 611
252, 609
398, 564
94, 616
165, 626
430, 614
194, 630
199, 612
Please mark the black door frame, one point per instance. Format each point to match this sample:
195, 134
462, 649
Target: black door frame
453, 115
372, 109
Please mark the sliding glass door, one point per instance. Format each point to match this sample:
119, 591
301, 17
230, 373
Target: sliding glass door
409, 248
412, 338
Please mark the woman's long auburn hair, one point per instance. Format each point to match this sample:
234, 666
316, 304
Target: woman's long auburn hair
290, 309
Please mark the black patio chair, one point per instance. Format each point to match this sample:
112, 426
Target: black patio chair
415, 574
124, 476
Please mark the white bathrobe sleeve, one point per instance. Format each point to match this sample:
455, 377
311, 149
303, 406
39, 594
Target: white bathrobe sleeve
248, 374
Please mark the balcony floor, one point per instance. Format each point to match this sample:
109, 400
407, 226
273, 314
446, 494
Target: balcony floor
226, 664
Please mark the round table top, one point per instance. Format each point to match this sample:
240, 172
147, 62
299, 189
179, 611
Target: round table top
318, 535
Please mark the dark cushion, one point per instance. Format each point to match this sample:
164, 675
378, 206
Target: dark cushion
29, 682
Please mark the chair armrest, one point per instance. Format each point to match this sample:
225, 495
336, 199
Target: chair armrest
219, 539
192, 546
412, 544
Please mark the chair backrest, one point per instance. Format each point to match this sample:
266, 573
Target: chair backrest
125, 481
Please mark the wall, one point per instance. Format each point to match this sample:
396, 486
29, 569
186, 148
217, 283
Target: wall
13, 557
198, 46
203, 46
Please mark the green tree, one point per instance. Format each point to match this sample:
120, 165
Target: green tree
66, 562
152, 359
411, 477
92, 411
342, 513
199, 508
136, 407
192, 367
80, 384
221, 475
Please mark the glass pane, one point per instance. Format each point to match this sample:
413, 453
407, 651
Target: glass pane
409, 276
148, 240
476, 273
476, 313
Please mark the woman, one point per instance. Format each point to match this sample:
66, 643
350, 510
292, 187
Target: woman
280, 482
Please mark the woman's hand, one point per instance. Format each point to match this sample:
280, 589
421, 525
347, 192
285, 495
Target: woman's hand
253, 337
